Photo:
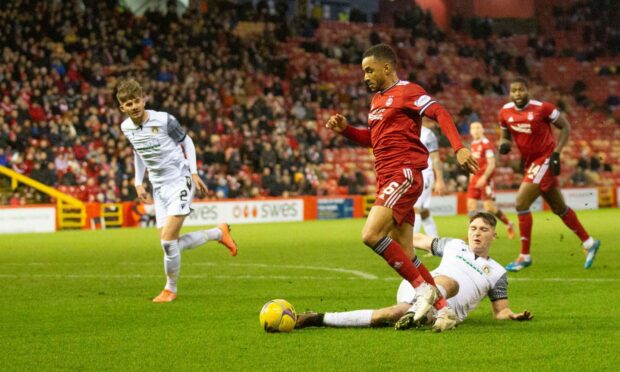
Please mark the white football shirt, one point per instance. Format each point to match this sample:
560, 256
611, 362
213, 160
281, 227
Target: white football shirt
157, 142
477, 276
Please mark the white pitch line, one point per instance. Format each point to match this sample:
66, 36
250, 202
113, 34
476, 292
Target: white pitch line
357, 273
269, 277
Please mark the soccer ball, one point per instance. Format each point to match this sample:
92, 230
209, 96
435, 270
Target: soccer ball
278, 316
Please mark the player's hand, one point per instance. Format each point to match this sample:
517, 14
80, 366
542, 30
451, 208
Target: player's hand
526, 315
466, 160
201, 188
337, 123
504, 148
555, 163
481, 182
440, 186
141, 193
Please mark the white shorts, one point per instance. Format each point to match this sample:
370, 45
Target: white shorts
424, 201
173, 199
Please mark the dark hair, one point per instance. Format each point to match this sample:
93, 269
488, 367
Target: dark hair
487, 217
381, 51
520, 80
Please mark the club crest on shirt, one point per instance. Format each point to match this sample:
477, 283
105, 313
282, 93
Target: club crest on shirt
530, 116
511, 119
486, 269
389, 100
154, 130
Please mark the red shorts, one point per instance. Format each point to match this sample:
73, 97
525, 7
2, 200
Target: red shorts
399, 192
539, 172
486, 192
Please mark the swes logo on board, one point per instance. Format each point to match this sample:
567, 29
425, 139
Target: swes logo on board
204, 212
286, 210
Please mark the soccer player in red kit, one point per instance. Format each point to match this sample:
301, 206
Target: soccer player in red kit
481, 186
528, 122
394, 125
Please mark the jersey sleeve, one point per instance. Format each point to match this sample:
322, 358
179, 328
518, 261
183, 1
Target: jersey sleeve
174, 129
501, 121
418, 100
440, 245
489, 150
500, 289
550, 113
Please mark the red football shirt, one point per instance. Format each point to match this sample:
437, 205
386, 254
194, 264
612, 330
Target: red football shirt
530, 128
394, 120
481, 150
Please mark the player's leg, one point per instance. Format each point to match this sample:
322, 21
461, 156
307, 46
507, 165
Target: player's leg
472, 205
553, 196
528, 192
357, 318
430, 227
220, 234
172, 257
375, 235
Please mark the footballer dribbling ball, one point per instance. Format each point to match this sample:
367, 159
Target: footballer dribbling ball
278, 316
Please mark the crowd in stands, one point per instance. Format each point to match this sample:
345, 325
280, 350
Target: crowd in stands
253, 114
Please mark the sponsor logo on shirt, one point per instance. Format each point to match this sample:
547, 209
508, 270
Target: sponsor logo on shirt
377, 115
522, 128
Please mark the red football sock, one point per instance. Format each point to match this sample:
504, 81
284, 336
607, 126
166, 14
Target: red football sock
502, 217
397, 259
570, 219
440, 303
525, 229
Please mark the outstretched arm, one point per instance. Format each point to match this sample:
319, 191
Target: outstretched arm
501, 311
438, 113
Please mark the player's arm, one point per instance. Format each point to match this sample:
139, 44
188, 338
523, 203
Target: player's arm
501, 311
437, 112
179, 136
140, 170
440, 186
434, 245
338, 124
564, 126
487, 173
562, 123
505, 142
499, 302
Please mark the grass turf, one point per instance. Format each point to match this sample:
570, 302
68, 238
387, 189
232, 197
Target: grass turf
81, 301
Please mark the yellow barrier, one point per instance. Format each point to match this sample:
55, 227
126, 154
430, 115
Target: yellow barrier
368, 203
70, 211
112, 215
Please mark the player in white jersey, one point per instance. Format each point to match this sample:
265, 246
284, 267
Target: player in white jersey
465, 276
433, 178
162, 148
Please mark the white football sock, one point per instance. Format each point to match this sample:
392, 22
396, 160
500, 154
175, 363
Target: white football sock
430, 228
588, 243
198, 238
417, 224
357, 318
172, 263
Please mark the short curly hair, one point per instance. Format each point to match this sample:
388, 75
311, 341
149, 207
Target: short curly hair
128, 89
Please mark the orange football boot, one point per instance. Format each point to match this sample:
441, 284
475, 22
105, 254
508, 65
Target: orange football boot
511, 230
227, 239
165, 296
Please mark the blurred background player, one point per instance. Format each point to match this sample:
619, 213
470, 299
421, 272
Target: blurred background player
528, 122
432, 177
395, 118
481, 185
168, 153
466, 275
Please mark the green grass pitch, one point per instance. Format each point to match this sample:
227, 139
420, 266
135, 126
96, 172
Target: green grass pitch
81, 301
